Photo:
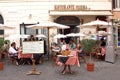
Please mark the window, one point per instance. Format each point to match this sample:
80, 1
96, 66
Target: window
116, 4
118, 36
1, 22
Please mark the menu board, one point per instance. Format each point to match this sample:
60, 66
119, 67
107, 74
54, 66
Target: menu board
110, 56
33, 47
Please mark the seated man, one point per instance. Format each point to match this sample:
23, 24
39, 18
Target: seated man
13, 52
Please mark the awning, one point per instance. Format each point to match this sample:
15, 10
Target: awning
105, 13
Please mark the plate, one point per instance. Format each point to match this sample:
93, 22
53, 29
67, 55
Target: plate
70, 55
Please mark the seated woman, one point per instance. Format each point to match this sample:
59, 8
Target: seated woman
14, 53
103, 53
103, 49
81, 52
55, 51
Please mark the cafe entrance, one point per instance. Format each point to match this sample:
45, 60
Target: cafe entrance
71, 21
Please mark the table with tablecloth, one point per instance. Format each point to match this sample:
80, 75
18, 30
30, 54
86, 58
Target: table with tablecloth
71, 59
24, 55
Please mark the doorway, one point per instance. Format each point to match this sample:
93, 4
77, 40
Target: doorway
71, 21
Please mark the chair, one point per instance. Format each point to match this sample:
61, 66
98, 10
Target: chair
53, 57
12, 58
82, 55
55, 51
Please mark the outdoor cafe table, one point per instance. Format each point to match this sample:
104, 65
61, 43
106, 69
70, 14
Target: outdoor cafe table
24, 55
68, 60
71, 59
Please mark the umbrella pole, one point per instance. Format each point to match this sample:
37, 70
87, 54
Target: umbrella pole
62, 31
48, 44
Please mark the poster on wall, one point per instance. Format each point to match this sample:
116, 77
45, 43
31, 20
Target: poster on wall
33, 47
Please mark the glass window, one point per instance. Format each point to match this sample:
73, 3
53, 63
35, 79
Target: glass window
116, 3
118, 36
1, 22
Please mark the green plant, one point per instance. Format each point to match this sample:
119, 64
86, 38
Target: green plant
89, 44
1, 44
4, 46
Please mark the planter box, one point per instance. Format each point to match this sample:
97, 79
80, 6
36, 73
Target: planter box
90, 66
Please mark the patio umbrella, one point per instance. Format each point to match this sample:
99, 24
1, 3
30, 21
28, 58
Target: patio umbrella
75, 35
104, 33
48, 25
17, 36
24, 36
13, 37
80, 34
96, 23
70, 35
3, 27
40, 35
58, 36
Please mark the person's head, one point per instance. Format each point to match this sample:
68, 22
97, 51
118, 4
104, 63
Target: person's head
13, 44
56, 44
79, 46
32, 38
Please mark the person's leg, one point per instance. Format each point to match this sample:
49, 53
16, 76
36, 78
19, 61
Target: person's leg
64, 70
41, 59
16, 60
69, 69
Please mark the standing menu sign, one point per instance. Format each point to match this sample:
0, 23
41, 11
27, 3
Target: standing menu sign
110, 55
33, 47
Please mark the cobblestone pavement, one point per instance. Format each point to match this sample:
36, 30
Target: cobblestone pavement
102, 71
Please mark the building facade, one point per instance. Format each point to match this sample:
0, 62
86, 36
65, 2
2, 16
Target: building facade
21, 13
116, 20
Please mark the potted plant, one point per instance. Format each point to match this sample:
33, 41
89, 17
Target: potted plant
1, 44
89, 44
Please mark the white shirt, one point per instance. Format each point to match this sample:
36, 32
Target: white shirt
12, 50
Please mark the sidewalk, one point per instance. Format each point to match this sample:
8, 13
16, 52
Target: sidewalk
102, 71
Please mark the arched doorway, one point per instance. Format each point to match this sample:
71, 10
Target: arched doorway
71, 21
1, 22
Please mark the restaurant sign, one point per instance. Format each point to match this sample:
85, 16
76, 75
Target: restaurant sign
70, 8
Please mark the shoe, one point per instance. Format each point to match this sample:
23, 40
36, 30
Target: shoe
17, 63
70, 72
63, 72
